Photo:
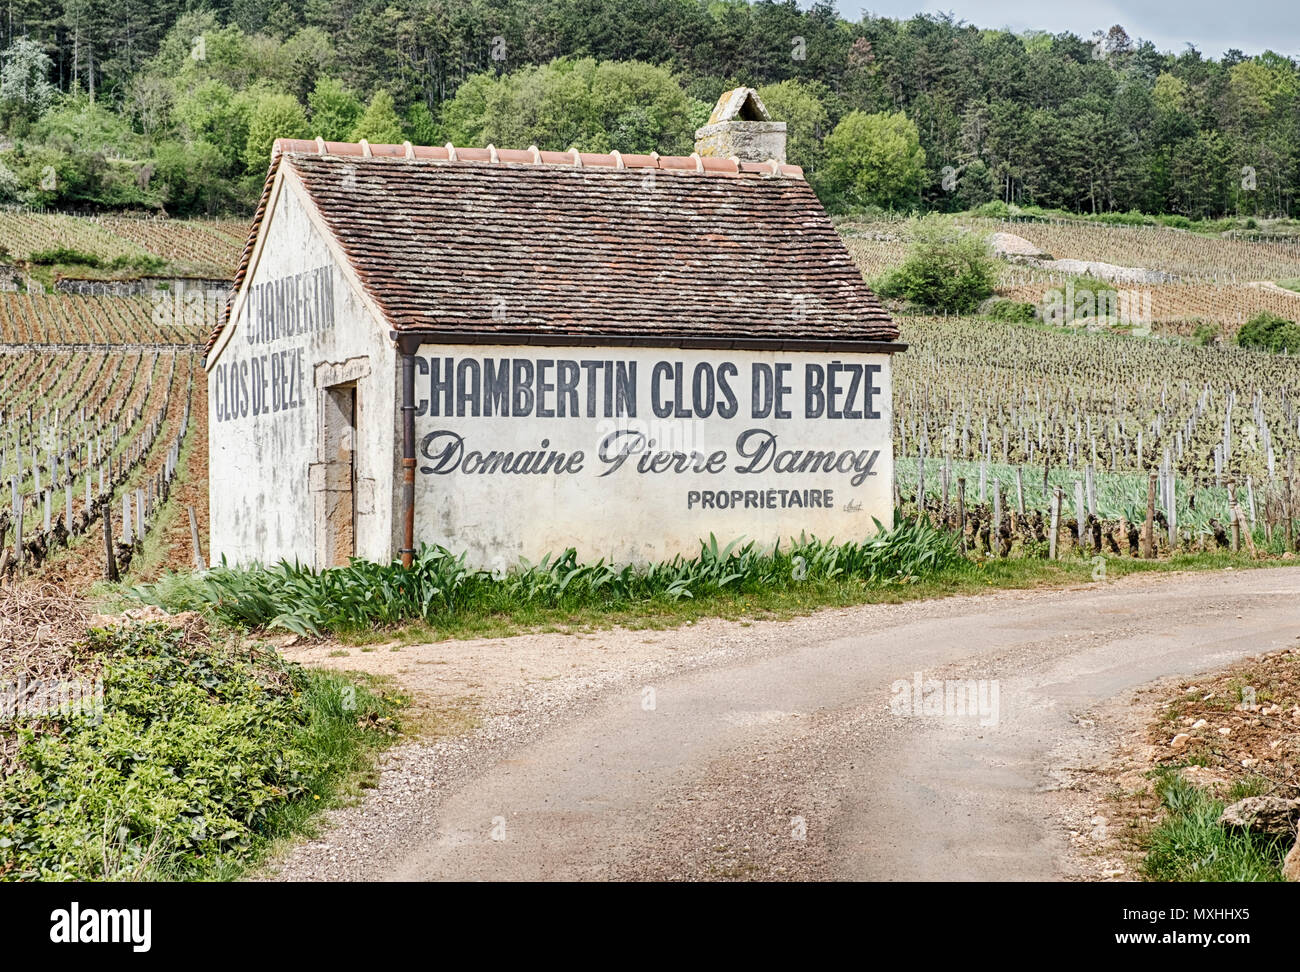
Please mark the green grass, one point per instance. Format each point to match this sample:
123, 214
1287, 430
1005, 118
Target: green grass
200, 758
1190, 845
369, 607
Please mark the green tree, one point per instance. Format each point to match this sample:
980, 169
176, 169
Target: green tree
874, 160
1030, 119
1171, 94
213, 112
421, 126
83, 153
975, 186
25, 89
10, 184
299, 61
465, 116
190, 178
802, 106
594, 106
198, 47
335, 110
273, 116
379, 123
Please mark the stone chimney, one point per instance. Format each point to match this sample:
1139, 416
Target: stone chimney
741, 126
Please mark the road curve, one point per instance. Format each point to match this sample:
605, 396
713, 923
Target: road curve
802, 760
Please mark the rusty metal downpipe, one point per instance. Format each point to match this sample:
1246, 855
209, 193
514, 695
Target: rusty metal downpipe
408, 450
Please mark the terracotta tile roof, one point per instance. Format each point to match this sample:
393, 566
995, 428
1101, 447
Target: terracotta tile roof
575, 245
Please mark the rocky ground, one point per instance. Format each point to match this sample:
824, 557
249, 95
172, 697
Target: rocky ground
1227, 730
1017, 249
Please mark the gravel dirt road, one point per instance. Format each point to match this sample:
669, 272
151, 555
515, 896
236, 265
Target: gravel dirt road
784, 750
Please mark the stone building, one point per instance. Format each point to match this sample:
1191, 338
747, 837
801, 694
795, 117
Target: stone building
513, 352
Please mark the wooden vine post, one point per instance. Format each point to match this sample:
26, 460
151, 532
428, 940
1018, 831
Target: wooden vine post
1242, 528
1234, 527
110, 562
194, 536
961, 511
1149, 527
1056, 523
1289, 513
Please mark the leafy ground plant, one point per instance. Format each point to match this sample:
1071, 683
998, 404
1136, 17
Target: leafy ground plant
199, 755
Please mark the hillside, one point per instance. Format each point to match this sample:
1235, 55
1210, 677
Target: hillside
51, 244
103, 399
1174, 279
111, 382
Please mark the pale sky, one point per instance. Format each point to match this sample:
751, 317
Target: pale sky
1214, 26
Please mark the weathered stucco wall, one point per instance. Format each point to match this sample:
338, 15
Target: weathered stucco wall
302, 328
637, 454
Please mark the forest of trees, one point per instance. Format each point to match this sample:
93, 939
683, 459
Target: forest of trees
160, 104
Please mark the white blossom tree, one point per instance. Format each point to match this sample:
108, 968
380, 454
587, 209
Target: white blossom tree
25, 87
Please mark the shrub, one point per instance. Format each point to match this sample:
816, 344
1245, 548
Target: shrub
1131, 218
1011, 311
1269, 332
64, 255
995, 209
946, 269
142, 262
1205, 333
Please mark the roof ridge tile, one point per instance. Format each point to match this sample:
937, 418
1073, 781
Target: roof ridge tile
709, 165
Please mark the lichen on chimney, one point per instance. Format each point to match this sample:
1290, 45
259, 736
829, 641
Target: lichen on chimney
740, 126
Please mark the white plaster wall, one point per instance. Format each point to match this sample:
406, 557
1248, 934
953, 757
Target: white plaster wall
261, 506
633, 516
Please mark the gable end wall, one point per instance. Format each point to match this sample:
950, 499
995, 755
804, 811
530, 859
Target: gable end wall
301, 326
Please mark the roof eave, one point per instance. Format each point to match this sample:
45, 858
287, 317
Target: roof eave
241, 272
408, 340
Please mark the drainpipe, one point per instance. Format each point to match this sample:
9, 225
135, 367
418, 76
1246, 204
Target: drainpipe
407, 346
